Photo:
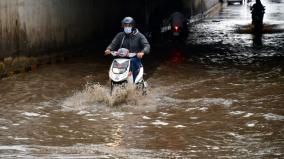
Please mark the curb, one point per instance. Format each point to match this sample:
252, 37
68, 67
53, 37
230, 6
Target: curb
10, 66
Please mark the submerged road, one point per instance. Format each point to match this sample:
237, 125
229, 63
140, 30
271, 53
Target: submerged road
217, 97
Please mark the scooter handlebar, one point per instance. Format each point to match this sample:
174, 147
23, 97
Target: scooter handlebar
116, 53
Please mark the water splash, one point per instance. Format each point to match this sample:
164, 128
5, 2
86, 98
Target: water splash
96, 94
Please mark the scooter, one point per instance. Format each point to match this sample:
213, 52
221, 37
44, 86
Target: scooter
176, 30
120, 73
178, 33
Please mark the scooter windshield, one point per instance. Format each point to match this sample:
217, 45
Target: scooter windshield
119, 68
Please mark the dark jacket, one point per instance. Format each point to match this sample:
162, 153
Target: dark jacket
134, 42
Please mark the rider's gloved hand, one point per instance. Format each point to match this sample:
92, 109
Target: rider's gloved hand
140, 55
107, 52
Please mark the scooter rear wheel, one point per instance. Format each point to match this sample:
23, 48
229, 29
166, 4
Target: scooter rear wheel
141, 87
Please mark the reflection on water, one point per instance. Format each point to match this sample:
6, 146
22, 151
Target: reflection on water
218, 97
257, 40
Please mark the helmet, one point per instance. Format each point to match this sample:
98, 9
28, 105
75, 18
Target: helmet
128, 20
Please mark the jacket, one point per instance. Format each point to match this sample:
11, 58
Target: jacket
134, 42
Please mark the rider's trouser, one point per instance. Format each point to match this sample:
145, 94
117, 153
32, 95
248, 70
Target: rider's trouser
135, 66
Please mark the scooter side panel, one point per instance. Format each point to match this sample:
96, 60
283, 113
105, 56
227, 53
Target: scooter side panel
139, 77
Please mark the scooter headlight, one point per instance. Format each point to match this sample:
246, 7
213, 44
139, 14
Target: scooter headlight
120, 68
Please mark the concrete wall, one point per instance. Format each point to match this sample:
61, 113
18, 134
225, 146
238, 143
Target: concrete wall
195, 7
210, 3
34, 32
33, 26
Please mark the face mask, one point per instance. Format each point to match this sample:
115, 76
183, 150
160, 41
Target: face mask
127, 30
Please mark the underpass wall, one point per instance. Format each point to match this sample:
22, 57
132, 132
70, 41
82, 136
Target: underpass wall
199, 9
35, 32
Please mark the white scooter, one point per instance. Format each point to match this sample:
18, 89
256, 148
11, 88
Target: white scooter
120, 73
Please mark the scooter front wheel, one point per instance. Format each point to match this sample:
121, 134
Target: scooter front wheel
114, 85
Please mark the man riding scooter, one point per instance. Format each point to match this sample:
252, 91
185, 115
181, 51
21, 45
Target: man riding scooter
132, 40
179, 28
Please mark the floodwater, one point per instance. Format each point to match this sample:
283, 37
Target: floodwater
217, 97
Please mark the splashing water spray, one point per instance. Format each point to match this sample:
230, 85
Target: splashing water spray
95, 94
